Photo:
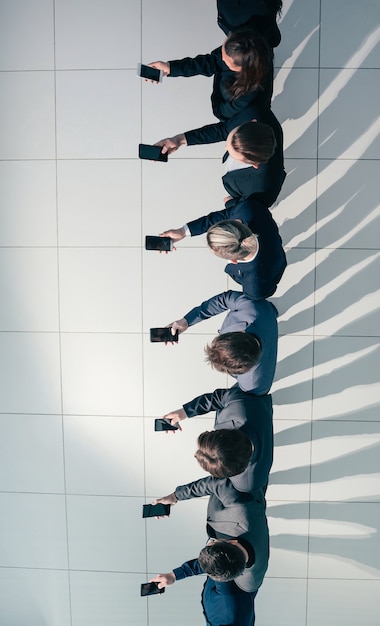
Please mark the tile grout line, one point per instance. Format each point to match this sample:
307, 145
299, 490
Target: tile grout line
59, 312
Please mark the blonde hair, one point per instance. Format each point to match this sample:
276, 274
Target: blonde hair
231, 240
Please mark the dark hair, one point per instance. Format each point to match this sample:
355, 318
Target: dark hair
274, 5
222, 561
251, 53
223, 452
234, 353
254, 141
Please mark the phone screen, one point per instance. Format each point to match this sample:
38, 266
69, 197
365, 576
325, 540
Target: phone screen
158, 243
150, 73
161, 425
155, 510
152, 153
162, 334
149, 589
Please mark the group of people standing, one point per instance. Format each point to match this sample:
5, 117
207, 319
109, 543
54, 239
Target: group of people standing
238, 453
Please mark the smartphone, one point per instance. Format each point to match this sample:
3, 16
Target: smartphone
163, 334
149, 589
150, 73
152, 153
155, 510
165, 244
161, 424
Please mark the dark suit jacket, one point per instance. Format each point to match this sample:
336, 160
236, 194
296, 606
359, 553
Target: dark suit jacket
254, 416
212, 64
265, 182
259, 277
233, 514
249, 316
235, 15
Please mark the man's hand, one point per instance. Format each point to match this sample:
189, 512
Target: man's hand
180, 325
175, 233
171, 144
164, 580
170, 499
160, 65
175, 416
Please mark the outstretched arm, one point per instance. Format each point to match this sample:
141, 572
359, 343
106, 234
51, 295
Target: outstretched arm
189, 568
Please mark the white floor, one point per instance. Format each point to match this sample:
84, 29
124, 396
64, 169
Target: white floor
80, 383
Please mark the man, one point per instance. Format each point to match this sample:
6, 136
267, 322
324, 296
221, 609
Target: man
249, 357
236, 556
253, 415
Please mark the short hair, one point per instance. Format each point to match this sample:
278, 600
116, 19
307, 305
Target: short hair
223, 452
230, 239
254, 141
222, 561
234, 353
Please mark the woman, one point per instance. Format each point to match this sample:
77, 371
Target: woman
248, 237
243, 73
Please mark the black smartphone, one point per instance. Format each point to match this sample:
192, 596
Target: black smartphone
152, 153
149, 589
150, 73
155, 510
163, 334
164, 244
161, 424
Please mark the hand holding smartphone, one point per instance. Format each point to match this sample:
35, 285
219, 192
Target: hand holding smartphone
161, 425
149, 73
163, 335
163, 244
156, 510
150, 589
152, 153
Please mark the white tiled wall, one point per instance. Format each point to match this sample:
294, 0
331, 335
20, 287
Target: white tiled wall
79, 381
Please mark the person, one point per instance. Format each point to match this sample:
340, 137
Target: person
246, 347
235, 14
243, 72
233, 518
254, 160
235, 410
247, 235
222, 602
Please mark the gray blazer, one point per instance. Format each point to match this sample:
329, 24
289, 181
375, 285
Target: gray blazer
249, 316
254, 415
233, 514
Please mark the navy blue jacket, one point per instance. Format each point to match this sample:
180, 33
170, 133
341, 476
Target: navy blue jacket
259, 277
223, 603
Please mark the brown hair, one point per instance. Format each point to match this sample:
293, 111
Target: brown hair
230, 239
223, 452
252, 55
222, 561
254, 141
234, 353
